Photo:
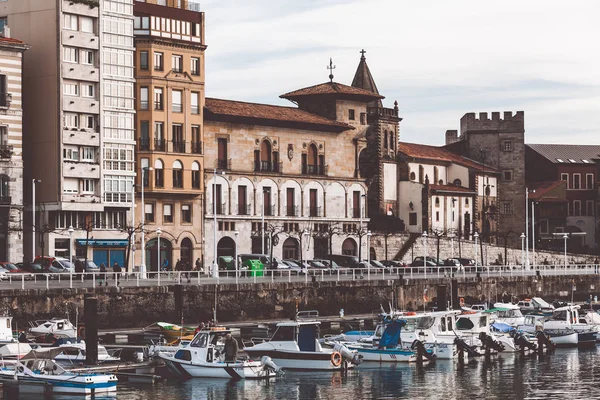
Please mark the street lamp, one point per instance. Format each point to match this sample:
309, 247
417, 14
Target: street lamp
304, 233
527, 226
533, 229
33, 182
369, 254
425, 252
565, 236
360, 223
158, 232
522, 253
215, 263
143, 222
71, 230
476, 236
236, 233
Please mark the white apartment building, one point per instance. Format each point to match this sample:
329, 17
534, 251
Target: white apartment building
79, 124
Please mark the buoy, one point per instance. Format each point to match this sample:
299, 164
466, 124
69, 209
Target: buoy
336, 359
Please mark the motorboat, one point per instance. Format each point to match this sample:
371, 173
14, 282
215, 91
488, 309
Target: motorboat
167, 348
204, 357
564, 337
509, 314
349, 336
295, 345
74, 351
567, 319
55, 327
38, 373
9, 346
173, 331
535, 305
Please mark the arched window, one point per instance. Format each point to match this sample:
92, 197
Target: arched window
312, 155
437, 201
177, 174
4, 192
413, 176
385, 140
159, 174
457, 182
392, 141
349, 247
195, 175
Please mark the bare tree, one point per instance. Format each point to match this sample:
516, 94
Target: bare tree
438, 233
386, 226
299, 235
329, 232
130, 231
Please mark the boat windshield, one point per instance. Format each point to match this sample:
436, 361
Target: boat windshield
284, 334
410, 325
510, 313
200, 340
425, 322
559, 315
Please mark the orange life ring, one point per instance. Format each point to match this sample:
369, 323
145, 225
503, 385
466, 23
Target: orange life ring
81, 332
336, 359
411, 313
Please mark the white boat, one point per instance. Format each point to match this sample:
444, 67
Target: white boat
9, 346
565, 337
567, 319
204, 357
75, 352
57, 327
295, 345
166, 348
509, 314
38, 373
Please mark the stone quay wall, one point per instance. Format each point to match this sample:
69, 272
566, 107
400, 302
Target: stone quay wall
142, 306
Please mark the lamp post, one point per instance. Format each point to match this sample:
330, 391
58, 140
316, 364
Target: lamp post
262, 226
476, 236
360, 223
236, 234
425, 252
304, 233
215, 263
158, 232
369, 255
533, 230
527, 226
71, 230
33, 182
143, 222
522, 253
565, 236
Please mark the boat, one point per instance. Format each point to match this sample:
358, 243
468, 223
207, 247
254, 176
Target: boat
173, 331
56, 327
204, 357
74, 351
168, 348
38, 373
509, 314
295, 345
9, 346
567, 319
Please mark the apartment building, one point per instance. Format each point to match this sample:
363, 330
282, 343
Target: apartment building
11, 145
79, 136
170, 44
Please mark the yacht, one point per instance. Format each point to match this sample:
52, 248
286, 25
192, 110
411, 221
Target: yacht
9, 347
567, 319
295, 345
75, 352
204, 357
57, 327
509, 314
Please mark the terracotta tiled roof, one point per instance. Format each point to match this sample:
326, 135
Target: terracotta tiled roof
10, 40
279, 114
450, 188
331, 88
542, 189
426, 152
567, 153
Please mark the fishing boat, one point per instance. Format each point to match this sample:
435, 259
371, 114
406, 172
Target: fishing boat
567, 318
56, 327
565, 337
295, 345
167, 348
509, 314
204, 357
74, 351
38, 373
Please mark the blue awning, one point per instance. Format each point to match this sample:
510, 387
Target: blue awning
102, 242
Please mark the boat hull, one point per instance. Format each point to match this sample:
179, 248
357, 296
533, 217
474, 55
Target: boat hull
219, 370
563, 340
297, 360
385, 355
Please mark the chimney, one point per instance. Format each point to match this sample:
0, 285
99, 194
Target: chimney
6, 31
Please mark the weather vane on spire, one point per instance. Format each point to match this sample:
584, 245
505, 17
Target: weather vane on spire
330, 67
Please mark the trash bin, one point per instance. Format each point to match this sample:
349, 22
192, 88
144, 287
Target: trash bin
256, 267
226, 263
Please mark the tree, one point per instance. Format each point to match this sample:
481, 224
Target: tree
505, 235
272, 232
329, 232
386, 226
130, 231
438, 233
299, 235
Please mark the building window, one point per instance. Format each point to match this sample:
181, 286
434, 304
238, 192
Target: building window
412, 176
467, 201
158, 61
421, 174
177, 63
186, 213
86, 24
71, 120
88, 186
70, 54
412, 218
87, 57
195, 100
196, 143
437, 202
176, 101
70, 153
351, 115
71, 89
118, 157
195, 68
167, 213
88, 154
177, 174
565, 177
144, 93
195, 175
70, 22
507, 207
222, 160
159, 174
158, 99
385, 140
149, 212
543, 224
589, 181
507, 145
576, 181
437, 216
88, 90
589, 208
117, 188
144, 60
507, 175
576, 208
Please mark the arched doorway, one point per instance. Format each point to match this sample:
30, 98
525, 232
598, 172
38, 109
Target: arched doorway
226, 247
372, 253
365, 164
166, 253
349, 247
291, 249
185, 254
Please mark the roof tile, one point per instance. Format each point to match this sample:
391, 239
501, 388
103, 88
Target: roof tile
441, 154
567, 152
331, 88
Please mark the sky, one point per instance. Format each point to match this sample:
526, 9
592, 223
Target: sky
439, 59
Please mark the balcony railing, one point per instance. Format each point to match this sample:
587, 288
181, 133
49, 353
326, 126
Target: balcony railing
159, 144
291, 211
5, 99
269, 211
195, 110
144, 105
176, 107
186, 4
6, 150
220, 208
196, 182
178, 182
244, 209
268, 166
158, 105
315, 211
5, 200
355, 212
144, 144
197, 147
177, 70
313, 169
179, 147
224, 164
159, 178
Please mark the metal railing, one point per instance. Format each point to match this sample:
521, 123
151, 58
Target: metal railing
178, 146
197, 147
244, 209
159, 144
203, 277
144, 144
291, 211
308, 169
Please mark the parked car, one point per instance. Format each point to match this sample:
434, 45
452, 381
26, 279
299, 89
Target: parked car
3, 274
12, 269
31, 267
429, 262
394, 264
299, 266
316, 264
454, 263
55, 265
344, 261
329, 263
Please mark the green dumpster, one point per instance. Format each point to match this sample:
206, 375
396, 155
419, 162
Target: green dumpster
256, 267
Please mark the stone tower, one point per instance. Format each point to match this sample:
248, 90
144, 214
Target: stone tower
377, 162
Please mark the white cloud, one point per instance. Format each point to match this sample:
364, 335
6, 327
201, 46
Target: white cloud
440, 58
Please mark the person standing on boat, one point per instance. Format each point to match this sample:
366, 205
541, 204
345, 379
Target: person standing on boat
231, 348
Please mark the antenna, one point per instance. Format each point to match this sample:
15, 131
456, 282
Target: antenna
330, 67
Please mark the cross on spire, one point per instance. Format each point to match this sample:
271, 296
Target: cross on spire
330, 67
362, 52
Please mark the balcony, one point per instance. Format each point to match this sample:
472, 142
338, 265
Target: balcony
159, 144
81, 136
291, 211
223, 164
159, 106
314, 211
244, 209
144, 144
80, 39
196, 147
6, 150
178, 147
81, 170
269, 211
220, 208
159, 178
177, 70
80, 72
268, 166
313, 169
83, 105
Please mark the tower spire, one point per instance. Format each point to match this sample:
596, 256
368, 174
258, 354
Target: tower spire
330, 67
364, 80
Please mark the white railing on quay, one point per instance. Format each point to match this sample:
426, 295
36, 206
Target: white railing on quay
163, 278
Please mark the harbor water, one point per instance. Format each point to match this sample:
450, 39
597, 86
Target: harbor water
566, 374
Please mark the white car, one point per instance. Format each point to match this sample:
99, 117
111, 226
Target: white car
3, 274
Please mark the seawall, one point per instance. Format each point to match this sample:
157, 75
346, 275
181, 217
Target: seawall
141, 306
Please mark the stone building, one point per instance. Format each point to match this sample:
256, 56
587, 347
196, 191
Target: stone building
170, 76
296, 167
11, 147
499, 143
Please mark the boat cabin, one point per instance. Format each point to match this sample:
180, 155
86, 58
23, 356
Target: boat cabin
475, 322
304, 333
58, 327
567, 315
6, 334
207, 346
